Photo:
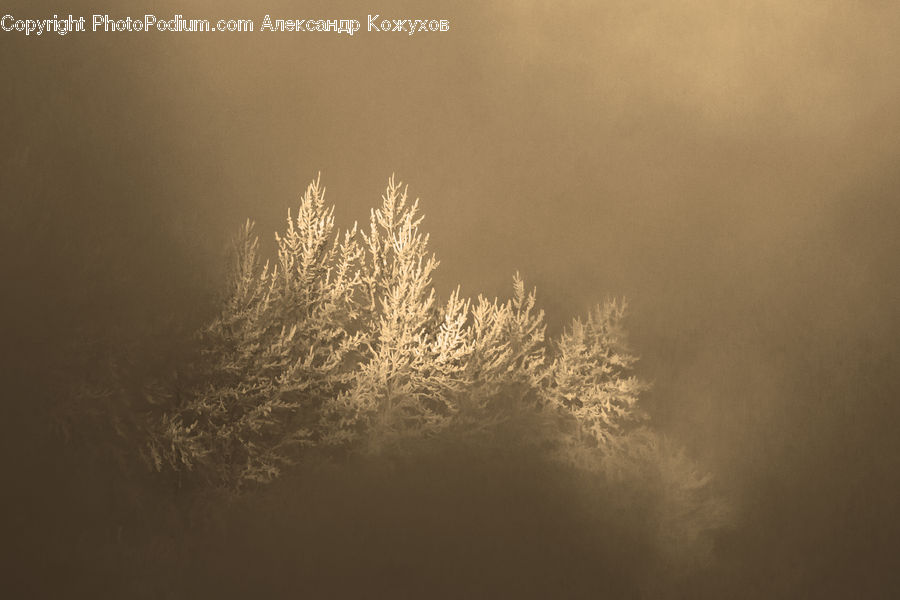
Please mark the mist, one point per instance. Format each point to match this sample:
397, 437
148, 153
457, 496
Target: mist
729, 168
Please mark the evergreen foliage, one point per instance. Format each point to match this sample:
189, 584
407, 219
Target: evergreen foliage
340, 344
590, 379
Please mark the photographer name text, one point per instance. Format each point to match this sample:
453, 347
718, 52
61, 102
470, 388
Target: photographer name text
179, 23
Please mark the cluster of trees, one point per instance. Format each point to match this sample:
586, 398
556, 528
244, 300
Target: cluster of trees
341, 342
339, 347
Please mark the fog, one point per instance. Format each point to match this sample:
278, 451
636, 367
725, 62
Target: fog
729, 167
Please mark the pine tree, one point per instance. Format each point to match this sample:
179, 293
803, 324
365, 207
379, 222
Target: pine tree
590, 378
397, 389
273, 358
506, 368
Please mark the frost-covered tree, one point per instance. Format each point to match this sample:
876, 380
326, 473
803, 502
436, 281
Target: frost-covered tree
506, 368
591, 377
396, 388
341, 341
276, 354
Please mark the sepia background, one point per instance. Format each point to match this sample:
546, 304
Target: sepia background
728, 166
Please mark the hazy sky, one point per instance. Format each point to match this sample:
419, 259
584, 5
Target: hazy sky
730, 166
